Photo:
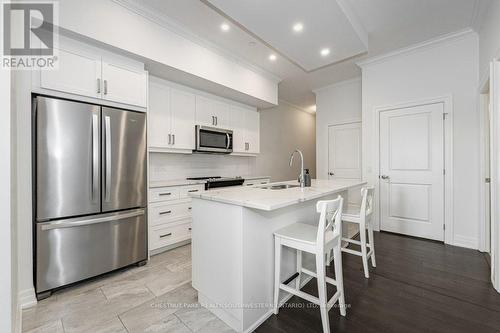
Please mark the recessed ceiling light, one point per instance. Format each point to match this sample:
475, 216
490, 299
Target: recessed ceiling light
224, 27
272, 57
325, 52
298, 27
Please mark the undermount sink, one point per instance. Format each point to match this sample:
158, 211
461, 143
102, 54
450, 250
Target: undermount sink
279, 187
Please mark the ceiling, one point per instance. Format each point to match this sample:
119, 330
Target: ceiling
351, 29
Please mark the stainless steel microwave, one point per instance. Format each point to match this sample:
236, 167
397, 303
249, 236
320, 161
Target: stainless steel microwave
213, 140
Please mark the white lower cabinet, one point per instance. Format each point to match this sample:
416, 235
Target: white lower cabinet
169, 215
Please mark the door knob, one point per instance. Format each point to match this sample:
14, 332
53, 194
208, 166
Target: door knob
384, 177
331, 174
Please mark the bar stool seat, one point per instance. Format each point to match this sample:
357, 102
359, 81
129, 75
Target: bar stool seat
304, 233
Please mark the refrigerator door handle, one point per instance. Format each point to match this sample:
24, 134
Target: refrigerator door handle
81, 222
107, 124
95, 156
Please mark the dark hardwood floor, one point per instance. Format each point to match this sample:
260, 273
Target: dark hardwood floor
417, 286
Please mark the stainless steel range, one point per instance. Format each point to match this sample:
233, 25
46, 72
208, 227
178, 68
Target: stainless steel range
90, 191
218, 181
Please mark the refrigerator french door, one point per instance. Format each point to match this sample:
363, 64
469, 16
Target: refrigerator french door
90, 191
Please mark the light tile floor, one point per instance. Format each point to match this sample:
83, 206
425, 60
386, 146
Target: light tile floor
157, 297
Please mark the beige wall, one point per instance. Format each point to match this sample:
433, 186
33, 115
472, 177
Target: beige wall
282, 130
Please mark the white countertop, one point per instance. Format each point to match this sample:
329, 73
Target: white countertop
183, 182
266, 199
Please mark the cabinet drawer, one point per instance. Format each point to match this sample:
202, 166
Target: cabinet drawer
185, 190
160, 236
163, 194
160, 213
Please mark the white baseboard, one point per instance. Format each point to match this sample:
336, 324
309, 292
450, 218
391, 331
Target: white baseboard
464, 241
27, 298
18, 319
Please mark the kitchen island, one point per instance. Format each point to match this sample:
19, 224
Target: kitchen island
233, 244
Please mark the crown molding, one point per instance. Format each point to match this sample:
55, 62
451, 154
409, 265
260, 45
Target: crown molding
169, 24
428, 44
355, 22
338, 84
296, 107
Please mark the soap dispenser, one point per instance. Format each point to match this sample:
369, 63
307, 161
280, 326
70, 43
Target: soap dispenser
307, 179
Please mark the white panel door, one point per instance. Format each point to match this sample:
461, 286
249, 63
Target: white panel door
124, 85
183, 110
159, 116
78, 73
237, 124
344, 151
411, 171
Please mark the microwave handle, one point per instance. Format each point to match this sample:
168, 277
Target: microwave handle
228, 140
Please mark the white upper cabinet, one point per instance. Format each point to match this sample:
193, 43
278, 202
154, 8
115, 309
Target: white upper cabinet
183, 108
245, 124
212, 113
87, 71
78, 73
123, 84
159, 116
171, 118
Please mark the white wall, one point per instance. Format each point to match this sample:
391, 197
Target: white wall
6, 259
108, 22
489, 38
439, 69
180, 166
282, 130
336, 104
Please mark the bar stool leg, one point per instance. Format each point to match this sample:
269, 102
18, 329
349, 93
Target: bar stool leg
299, 269
339, 277
372, 244
362, 236
277, 265
320, 271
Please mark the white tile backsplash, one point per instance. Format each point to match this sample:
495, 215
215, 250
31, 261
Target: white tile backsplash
178, 166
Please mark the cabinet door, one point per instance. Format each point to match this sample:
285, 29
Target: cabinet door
252, 121
205, 111
124, 85
221, 113
237, 124
183, 110
77, 74
159, 115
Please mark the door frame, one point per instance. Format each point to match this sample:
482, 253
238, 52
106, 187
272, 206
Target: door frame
447, 101
349, 122
484, 225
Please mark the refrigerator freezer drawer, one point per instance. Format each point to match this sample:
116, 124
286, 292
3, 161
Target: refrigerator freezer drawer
79, 248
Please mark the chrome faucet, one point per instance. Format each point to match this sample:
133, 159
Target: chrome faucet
301, 177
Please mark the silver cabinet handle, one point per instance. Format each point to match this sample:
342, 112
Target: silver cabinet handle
162, 194
166, 212
216, 121
189, 228
213, 120
95, 156
107, 133
166, 235
98, 86
173, 139
191, 191
105, 87
169, 139
385, 177
81, 221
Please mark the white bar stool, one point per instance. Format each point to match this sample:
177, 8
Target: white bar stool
362, 216
316, 240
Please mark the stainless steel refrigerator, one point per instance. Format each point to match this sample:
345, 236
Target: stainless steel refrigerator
90, 191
